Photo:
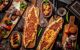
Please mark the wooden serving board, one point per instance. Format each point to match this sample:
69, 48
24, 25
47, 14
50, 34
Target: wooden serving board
19, 27
7, 18
66, 33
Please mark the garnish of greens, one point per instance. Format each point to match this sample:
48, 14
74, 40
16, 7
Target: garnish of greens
22, 6
4, 33
18, 42
39, 31
67, 16
46, 1
1, 1
8, 22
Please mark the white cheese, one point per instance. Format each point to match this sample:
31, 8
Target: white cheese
16, 5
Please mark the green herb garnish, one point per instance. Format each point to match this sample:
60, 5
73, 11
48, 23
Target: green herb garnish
4, 33
8, 22
40, 32
18, 42
1, 1
67, 16
22, 6
46, 1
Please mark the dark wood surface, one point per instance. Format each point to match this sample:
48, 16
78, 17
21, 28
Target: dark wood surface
19, 27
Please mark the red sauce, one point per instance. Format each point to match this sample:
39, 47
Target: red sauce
56, 25
44, 44
15, 38
32, 17
31, 26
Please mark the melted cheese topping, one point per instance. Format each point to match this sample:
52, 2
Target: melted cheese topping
49, 35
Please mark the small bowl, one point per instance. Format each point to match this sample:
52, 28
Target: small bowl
51, 5
61, 11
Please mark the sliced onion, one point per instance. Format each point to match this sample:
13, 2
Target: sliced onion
43, 22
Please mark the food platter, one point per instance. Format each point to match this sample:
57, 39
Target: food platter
35, 31
10, 20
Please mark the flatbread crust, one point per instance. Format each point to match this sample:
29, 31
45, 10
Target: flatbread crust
12, 40
50, 35
30, 41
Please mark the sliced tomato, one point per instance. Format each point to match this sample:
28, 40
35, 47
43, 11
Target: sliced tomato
8, 27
